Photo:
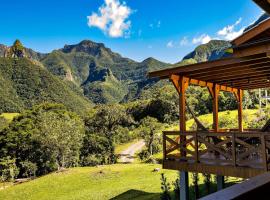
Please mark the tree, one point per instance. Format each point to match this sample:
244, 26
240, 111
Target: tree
48, 136
17, 49
8, 169
150, 131
3, 123
61, 132
106, 122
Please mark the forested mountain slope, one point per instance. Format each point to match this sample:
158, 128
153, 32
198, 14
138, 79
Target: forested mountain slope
24, 84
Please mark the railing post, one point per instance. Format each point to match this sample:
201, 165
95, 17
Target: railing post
196, 148
265, 166
233, 150
164, 146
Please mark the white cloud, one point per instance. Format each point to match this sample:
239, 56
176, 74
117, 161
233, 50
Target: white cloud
202, 39
112, 18
170, 44
184, 41
159, 24
229, 32
155, 24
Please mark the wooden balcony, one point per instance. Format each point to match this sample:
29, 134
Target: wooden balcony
244, 154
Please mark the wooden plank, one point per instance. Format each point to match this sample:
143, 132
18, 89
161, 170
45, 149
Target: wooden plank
214, 148
254, 188
243, 143
252, 65
226, 170
221, 63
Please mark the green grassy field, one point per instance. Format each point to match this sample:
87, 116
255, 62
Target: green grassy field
120, 181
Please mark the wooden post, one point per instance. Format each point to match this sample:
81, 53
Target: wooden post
164, 148
264, 155
184, 190
233, 150
220, 182
183, 84
240, 110
215, 107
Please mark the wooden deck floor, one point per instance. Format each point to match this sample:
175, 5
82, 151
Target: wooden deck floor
216, 164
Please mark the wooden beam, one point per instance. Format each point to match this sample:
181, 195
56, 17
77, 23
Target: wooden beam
225, 75
215, 107
210, 85
183, 85
240, 110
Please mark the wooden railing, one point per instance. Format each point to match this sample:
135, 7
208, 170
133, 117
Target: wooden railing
247, 149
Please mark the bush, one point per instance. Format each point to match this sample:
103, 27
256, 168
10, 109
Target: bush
165, 187
28, 169
8, 169
144, 155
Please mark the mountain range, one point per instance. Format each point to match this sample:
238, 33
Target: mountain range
89, 72
84, 74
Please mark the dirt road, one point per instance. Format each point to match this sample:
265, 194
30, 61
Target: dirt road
127, 156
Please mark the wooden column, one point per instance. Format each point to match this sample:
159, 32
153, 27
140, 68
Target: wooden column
240, 110
181, 84
215, 107
184, 189
220, 182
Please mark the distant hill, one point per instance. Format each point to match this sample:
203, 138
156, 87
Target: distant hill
24, 84
105, 76
261, 19
213, 50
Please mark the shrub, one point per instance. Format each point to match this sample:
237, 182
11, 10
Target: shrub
165, 187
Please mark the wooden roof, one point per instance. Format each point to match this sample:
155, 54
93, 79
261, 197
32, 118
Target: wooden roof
264, 4
258, 33
243, 73
248, 68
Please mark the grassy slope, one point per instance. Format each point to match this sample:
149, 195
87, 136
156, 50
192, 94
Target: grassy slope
123, 181
89, 183
208, 118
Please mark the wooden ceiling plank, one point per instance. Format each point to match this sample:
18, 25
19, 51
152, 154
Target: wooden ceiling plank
222, 63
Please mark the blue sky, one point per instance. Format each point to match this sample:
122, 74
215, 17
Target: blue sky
166, 30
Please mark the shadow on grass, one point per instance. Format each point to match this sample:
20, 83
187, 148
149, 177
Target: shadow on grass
141, 195
136, 194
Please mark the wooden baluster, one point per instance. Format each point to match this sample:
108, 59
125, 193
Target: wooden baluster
164, 147
196, 148
233, 150
265, 165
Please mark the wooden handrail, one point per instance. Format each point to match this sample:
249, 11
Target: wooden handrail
233, 148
